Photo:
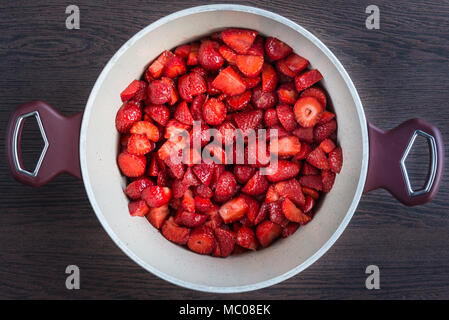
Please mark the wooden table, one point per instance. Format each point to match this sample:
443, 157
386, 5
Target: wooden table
401, 71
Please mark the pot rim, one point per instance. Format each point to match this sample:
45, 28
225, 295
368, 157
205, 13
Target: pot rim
345, 76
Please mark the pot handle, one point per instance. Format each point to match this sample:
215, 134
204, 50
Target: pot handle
61, 138
388, 151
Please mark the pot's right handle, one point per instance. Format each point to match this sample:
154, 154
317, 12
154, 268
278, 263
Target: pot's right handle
388, 151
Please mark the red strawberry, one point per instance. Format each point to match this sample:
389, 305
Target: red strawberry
267, 232
190, 219
226, 133
132, 165
153, 168
272, 195
190, 85
214, 111
269, 78
179, 188
248, 120
287, 93
307, 111
229, 82
257, 49
243, 173
317, 158
188, 202
239, 40
174, 67
127, 115
228, 54
159, 92
310, 192
204, 172
200, 135
326, 116
136, 89
328, 178
226, 187
190, 178
291, 189
174, 96
290, 229
307, 79
263, 100
276, 214
157, 66
249, 65
251, 82
233, 210
158, 112
202, 240
209, 56
304, 134
327, 145
192, 58
246, 238
296, 63
146, 128
323, 131
175, 131
258, 184
135, 188
276, 49
336, 159
282, 170
156, 196
203, 191
197, 107
292, 213
226, 241
319, 95
239, 102
271, 117
309, 170
139, 144
286, 116
253, 209
182, 113
157, 216
182, 50
313, 182
262, 214
171, 231
138, 208
287, 146
309, 204
284, 70
203, 205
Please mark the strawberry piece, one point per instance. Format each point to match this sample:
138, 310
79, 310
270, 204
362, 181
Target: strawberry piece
132, 165
148, 77
269, 78
271, 117
176, 130
276, 214
258, 184
190, 85
233, 210
290, 189
171, 231
307, 111
192, 58
286, 146
249, 65
156, 196
289, 229
138, 208
336, 159
293, 213
226, 133
179, 188
313, 182
228, 54
139, 144
309, 204
328, 178
272, 195
182, 50
203, 191
257, 154
251, 82
239, 102
182, 113
188, 202
276, 49
136, 89
157, 216
253, 209
321, 97
310, 192
204, 172
327, 145
262, 214
239, 40
174, 67
287, 93
304, 134
286, 116
157, 66
307, 79
226, 240
209, 56
323, 131
282, 170
191, 156
229, 82
214, 112
197, 107
190, 178
326, 116
153, 168
174, 96
258, 47
296, 63
226, 187
263, 100
309, 170
159, 113
318, 159
246, 238
159, 92
248, 120
135, 188
284, 70
267, 232
243, 173
203, 205
127, 115
202, 240
190, 219
147, 129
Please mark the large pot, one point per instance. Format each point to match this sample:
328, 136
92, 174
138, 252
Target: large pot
86, 145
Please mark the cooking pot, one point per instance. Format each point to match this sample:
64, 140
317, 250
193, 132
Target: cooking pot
86, 146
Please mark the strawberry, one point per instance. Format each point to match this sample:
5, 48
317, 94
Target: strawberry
276, 214
239, 102
290, 229
249, 65
226, 187
258, 47
139, 144
182, 50
307, 79
157, 216
258, 184
262, 214
309, 204
136, 89
293, 213
202, 240
272, 195
200, 135
287, 146
327, 145
188, 202
313, 182
153, 168
135, 188
226, 241
159, 92
174, 96
284, 71
203, 191
251, 82
233, 210
318, 159
171, 231
214, 111
191, 156
310, 192
197, 107
309, 170
132, 165
269, 78
228, 54
336, 159
243, 173
287, 93
179, 188
158, 112
263, 100
328, 178
148, 77
248, 120
190, 219
203, 205
156, 196
304, 134
229, 82
286, 116
190, 85
271, 117
182, 113
157, 66
276, 49
253, 209
190, 178
267, 232
246, 238
146, 128
282, 170
209, 56
323, 131
204, 172
192, 58
319, 95
239, 40
307, 111
296, 63
138, 208
174, 67
127, 115
326, 116
290, 189
175, 131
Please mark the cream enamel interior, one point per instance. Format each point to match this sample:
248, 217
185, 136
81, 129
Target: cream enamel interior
143, 243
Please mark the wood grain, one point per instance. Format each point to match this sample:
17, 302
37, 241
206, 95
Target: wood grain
400, 71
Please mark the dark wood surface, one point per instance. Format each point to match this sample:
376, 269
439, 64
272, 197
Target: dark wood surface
401, 71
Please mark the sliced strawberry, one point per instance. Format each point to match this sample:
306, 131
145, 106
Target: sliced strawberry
203, 191
135, 188
157, 66
313, 182
157, 216
202, 240
309, 204
239, 40
153, 168
290, 229
233, 210
190, 178
323, 131
146, 128
248, 120
204, 172
276, 49
174, 96
171, 231
296, 63
309, 170
156, 196
258, 47
243, 173
272, 195
190, 85
249, 65
132, 165
226, 241
271, 117
197, 107
282, 170
251, 82
175, 131
310, 192
318, 158
139, 144
228, 54
191, 156
159, 92
328, 178
190, 219
286, 146
192, 58
209, 56
203, 205
293, 213
287, 93
327, 145
291, 189
321, 97
240, 101
188, 202
136, 89
326, 116
214, 112
226, 133
276, 214
253, 209
246, 238
258, 184
182, 50
229, 82
307, 79
267, 232
262, 214
226, 187
127, 115
182, 113
286, 116
138, 208
304, 134
269, 78
174, 67
307, 111
336, 159
263, 100
284, 70
179, 188
158, 112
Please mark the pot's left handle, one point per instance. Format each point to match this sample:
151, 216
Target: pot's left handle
61, 137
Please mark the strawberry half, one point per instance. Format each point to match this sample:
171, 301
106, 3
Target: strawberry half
276, 49
249, 65
171, 231
314, 182
158, 112
209, 56
286, 116
307, 111
174, 67
157, 216
292, 213
229, 82
202, 240
233, 210
286, 146
296, 63
287, 93
190, 219
323, 131
239, 40
136, 89
157, 66
239, 102
226, 241
320, 96
156, 196
146, 128
258, 184
263, 100
336, 159
292, 190
327, 145
159, 92
269, 78
190, 85
228, 54
243, 173
138, 208
132, 165
127, 115
328, 178
214, 111
226, 187
248, 120
283, 170
139, 144
246, 238
182, 113
135, 188
267, 232
307, 79
318, 159
276, 214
